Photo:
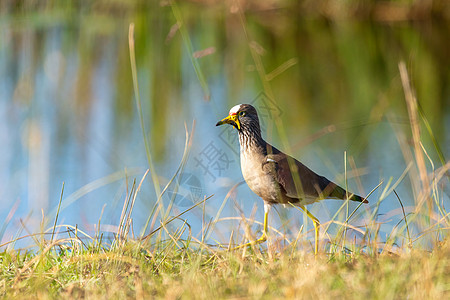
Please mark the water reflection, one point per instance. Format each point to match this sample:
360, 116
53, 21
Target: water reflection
322, 87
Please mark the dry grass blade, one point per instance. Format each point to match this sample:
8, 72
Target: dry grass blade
57, 212
8, 218
175, 217
222, 206
139, 108
96, 184
187, 42
158, 207
406, 221
411, 103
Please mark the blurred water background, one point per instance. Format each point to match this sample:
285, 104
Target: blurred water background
323, 75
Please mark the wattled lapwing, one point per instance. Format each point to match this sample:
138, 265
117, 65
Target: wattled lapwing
277, 177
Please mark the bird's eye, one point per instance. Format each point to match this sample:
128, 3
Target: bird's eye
242, 114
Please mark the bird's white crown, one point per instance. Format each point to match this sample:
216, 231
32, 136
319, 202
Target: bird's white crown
234, 109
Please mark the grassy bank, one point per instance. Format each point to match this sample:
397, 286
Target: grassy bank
175, 268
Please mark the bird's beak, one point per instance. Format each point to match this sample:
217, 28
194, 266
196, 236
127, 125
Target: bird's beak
231, 119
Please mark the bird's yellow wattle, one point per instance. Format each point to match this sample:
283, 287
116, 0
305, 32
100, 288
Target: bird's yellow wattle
231, 119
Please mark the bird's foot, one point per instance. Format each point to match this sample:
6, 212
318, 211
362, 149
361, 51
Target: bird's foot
262, 239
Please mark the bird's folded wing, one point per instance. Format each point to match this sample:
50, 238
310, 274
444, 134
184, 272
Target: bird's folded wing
298, 180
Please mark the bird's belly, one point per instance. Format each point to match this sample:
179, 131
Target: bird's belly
264, 187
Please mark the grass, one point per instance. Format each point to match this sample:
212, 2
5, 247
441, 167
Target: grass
72, 268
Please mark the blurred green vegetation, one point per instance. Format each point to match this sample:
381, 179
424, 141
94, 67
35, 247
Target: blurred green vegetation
326, 62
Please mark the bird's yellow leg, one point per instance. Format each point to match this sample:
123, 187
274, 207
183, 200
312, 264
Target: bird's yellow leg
316, 228
263, 238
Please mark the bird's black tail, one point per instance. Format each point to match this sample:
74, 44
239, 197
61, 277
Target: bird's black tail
358, 199
341, 193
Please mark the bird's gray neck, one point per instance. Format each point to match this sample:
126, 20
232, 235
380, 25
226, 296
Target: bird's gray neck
250, 139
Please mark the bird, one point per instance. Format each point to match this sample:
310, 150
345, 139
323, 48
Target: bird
275, 176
